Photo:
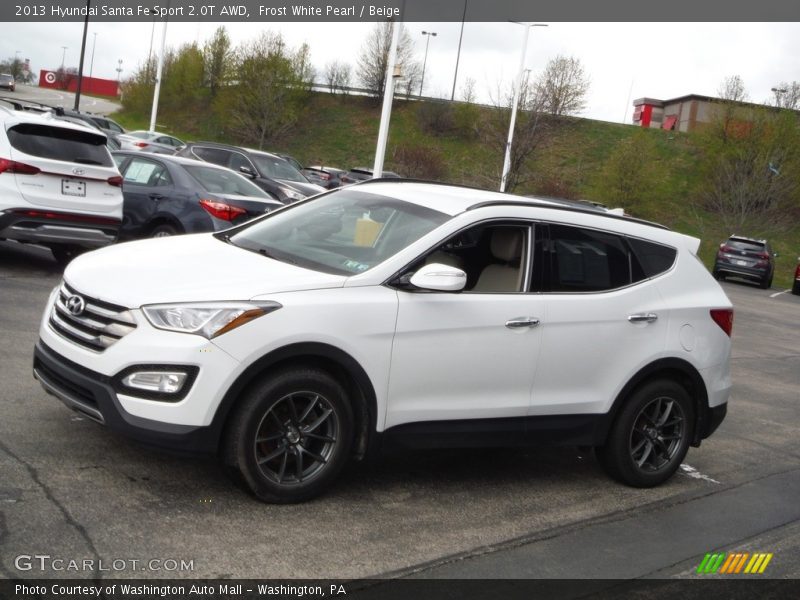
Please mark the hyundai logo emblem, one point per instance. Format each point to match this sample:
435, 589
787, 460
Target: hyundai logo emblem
75, 305
78, 171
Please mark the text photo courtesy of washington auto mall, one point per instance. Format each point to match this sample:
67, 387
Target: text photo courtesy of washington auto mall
441, 299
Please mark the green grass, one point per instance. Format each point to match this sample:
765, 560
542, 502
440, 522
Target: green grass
342, 132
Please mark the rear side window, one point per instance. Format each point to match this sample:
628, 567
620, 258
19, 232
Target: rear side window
57, 143
212, 155
583, 260
654, 259
145, 172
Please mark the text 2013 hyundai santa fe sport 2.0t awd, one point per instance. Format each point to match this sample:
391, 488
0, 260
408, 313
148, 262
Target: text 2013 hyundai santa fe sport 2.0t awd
419, 314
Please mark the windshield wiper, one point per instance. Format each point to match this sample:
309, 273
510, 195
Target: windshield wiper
268, 254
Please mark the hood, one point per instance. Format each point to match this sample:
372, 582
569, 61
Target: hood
186, 268
308, 189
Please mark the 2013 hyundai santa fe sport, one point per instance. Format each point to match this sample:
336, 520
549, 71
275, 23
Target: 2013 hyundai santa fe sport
419, 314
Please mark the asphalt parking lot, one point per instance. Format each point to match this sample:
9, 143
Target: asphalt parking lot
71, 490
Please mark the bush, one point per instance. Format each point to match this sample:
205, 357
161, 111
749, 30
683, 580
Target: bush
436, 118
421, 162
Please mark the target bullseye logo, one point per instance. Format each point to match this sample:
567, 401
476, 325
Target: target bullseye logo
50, 77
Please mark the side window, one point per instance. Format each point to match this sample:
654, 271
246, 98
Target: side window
653, 258
583, 260
212, 155
239, 160
493, 255
114, 127
146, 172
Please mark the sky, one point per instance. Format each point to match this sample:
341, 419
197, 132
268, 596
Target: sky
623, 61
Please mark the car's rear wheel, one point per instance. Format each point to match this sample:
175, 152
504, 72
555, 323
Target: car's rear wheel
796, 288
766, 283
718, 276
64, 253
291, 435
164, 230
650, 436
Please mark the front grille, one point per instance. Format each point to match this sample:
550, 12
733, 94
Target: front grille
96, 327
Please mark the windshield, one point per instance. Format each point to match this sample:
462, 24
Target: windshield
344, 233
277, 168
223, 181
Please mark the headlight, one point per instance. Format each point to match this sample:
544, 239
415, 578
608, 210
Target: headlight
208, 319
290, 193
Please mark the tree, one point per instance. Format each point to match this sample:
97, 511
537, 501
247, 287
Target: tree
16, 67
217, 60
751, 167
271, 91
732, 89
182, 77
337, 76
629, 174
562, 88
786, 95
373, 60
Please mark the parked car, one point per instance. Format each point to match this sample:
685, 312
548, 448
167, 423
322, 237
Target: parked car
7, 82
291, 160
327, 177
268, 171
168, 195
108, 126
59, 187
746, 258
150, 141
401, 314
362, 174
111, 142
796, 284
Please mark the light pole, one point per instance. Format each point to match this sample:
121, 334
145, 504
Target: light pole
428, 35
119, 69
388, 96
458, 53
91, 63
515, 104
63, 56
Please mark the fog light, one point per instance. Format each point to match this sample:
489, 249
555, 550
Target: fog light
164, 382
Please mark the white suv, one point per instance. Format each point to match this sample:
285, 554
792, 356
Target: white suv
401, 313
59, 186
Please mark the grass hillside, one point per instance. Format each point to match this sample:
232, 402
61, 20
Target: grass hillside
572, 163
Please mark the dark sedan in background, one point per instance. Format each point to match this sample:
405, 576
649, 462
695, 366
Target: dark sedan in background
167, 195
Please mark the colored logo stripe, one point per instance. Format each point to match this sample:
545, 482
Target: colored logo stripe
734, 562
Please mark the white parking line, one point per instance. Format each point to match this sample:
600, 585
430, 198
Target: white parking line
779, 293
695, 474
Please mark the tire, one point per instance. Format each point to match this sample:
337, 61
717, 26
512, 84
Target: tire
796, 288
765, 283
290, 436
635, 452
64, 253
164, 230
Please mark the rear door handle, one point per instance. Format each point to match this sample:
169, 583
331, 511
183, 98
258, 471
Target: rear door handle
643, 318
156, 197
520, 322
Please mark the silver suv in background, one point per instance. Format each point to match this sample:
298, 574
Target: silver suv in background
59, 186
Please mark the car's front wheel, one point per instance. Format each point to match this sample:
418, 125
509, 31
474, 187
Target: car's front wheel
291, 435
650, 436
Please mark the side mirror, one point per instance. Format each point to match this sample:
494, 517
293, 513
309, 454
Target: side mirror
439, 278
247, 171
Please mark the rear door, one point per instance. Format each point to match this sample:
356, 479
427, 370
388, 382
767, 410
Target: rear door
147, 184
74, 168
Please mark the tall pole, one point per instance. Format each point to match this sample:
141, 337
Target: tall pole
63, 56
91, 64
458, 54
388, 96
515, 104
428, 35
159, 71
83, 54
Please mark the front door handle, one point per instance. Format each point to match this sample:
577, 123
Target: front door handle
520, 322
643, 318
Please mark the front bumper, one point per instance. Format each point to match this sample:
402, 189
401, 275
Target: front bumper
92, 394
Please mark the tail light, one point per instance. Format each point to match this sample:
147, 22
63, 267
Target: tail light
724, 318
324, 176
221, 210
12, 166
725, 248
115, 180
764, 255
141, 144
797, 272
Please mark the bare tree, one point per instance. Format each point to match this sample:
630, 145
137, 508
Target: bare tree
562, 88
468, 90
218, 60
410, 78
732, 89
337, 76
271, 90
786, 95
373, 60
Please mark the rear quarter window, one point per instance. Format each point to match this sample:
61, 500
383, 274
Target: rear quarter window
57, 143
653, 258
